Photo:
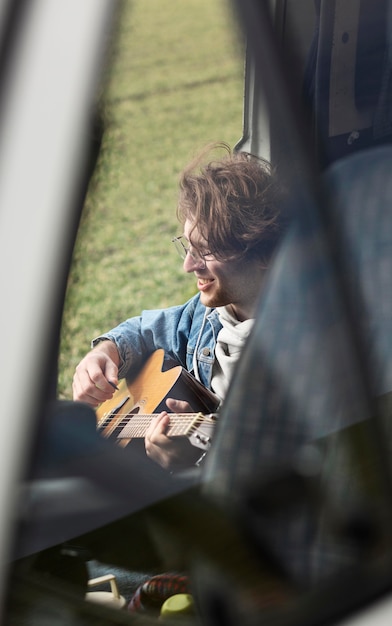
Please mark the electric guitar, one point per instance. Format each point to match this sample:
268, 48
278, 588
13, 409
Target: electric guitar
129, 412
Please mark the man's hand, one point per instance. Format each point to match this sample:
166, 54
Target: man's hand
91, 379
170, 452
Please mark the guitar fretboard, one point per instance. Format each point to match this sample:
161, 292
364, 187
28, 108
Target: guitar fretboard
130, 426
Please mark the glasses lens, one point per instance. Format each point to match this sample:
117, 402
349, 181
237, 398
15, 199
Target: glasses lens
180, 247
183, 248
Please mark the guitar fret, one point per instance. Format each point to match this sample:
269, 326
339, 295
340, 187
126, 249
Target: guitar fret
136, 425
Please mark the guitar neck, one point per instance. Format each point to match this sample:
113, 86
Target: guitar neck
181, 424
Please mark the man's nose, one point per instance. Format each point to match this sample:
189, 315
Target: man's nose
192, 264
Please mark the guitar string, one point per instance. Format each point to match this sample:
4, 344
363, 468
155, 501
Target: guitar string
141, 429
146, 417
172, 431
140, 421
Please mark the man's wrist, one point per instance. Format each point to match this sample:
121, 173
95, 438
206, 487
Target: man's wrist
109, 347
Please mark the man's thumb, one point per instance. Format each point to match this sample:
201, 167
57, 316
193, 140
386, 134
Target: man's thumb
111, 373
178, 406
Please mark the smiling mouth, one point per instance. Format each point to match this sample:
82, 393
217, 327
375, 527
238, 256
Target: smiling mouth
205, 281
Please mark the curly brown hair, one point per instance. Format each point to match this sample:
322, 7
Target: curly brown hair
235, 202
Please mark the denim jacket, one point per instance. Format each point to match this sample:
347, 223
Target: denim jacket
187, 334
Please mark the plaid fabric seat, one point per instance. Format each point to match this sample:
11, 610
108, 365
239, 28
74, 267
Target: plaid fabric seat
304, 378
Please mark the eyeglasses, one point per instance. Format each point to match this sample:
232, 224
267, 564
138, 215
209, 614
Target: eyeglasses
183, 247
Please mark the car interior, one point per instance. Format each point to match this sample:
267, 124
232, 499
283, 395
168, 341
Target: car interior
288, 520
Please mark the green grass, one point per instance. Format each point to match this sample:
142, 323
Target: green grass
174, 83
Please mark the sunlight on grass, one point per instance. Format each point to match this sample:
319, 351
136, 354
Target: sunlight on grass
175, 84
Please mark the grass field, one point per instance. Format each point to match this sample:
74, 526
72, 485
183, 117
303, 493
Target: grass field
174, 83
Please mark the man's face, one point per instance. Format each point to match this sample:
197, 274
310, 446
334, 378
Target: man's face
223, 283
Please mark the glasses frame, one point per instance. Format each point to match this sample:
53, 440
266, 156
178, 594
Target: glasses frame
183, 248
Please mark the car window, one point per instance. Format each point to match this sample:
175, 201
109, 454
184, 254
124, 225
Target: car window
166, 96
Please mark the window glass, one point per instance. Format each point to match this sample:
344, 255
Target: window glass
174, 84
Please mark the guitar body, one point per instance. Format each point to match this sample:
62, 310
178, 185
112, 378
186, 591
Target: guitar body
133, 405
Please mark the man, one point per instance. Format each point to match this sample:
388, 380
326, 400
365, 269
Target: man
232, 218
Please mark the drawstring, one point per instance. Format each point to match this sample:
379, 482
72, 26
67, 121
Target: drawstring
194, 363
